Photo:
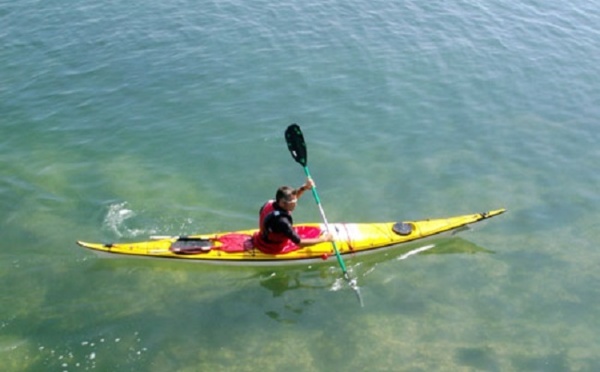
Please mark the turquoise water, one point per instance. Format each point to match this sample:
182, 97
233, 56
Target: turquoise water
121, 120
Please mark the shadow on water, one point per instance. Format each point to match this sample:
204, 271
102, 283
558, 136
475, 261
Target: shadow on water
327, 277
134, 312
451, 245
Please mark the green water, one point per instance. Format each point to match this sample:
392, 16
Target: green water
121, 120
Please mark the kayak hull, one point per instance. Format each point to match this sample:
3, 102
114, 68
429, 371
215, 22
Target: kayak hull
235, 248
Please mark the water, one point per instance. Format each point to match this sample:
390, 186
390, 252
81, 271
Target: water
121, 120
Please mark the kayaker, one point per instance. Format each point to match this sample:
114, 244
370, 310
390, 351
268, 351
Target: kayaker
276, 224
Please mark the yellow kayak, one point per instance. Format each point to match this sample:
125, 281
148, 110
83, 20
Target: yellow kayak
236, 247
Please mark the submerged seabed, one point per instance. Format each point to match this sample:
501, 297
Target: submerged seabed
119, 121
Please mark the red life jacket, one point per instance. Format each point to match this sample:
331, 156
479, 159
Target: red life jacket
265, 240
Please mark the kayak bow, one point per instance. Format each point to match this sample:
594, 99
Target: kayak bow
236, 247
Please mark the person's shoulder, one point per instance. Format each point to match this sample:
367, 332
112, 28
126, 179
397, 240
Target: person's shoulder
281, 216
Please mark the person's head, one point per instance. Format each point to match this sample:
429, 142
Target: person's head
286, 198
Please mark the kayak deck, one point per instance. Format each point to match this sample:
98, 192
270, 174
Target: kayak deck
236, 247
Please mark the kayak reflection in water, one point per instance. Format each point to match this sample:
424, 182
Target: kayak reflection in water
276, 223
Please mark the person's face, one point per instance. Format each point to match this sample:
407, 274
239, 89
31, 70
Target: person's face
289, 205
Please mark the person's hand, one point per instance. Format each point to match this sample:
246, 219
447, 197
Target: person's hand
327, 237
309, 184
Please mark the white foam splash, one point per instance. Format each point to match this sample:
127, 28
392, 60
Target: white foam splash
116, 216
337, 285
415, 251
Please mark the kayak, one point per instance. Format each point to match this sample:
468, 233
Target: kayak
352, 239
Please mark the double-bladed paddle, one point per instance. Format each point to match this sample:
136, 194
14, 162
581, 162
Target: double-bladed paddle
297, 147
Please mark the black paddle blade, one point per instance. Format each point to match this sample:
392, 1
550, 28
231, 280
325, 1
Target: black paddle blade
296, 144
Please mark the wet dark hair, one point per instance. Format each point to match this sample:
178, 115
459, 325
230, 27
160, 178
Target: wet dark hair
286, 193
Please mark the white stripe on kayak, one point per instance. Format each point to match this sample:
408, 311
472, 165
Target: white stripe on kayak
344, 231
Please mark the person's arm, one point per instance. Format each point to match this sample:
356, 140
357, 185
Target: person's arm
289, 231
309, 184
311, 241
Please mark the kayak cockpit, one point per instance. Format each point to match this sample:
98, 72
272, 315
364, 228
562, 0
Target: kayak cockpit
229, 243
